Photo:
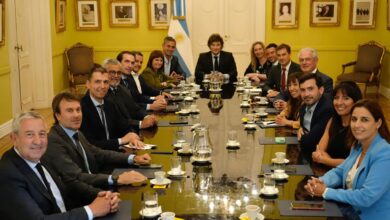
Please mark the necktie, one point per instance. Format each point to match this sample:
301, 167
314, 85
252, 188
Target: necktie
216, 63
283, 80
43, 176
104, 122
80, 149
115, 90
307, 118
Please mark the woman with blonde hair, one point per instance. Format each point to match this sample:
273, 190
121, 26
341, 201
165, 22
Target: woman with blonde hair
259, 67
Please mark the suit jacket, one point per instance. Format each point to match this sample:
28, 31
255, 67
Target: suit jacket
24, 196
126, 105
227, 65
69, 163
274, 79
175, 67
147, 91
370, 193
321, 115
327, 82
93, 128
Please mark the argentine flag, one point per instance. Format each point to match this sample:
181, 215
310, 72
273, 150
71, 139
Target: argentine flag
178, 29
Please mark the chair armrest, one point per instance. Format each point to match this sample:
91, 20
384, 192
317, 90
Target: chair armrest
347, 65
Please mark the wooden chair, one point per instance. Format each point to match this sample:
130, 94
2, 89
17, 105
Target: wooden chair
80, 62
367, 67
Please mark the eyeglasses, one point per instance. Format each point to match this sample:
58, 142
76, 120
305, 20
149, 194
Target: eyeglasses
115, 72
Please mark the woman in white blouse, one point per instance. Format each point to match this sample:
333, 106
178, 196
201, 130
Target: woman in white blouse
363, 179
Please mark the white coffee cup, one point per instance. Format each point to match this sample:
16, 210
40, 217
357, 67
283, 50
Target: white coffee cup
252, 211
280, 157
185, 147
159, 176
167, 216
279, 173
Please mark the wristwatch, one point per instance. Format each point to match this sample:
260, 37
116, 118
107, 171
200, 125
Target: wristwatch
115, 179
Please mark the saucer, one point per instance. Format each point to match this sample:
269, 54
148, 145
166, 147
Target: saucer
188, 99
195, 111
171, 173
164, 182
215, 90
183, 112
233, 144
240, 89
244, 216
275, 191
280, 176
274, 160
178, 145
250, 126
181, 151
196, 159
263, 114
151, 212
244, 105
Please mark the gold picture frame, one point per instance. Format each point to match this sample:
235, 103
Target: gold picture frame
362, 14
123, 13
60, 15
88, 15
285, 13
325, 13
159, 12
388, 14
2, 22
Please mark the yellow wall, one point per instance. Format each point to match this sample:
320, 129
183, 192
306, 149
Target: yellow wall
107, 42
335, 45
5, 82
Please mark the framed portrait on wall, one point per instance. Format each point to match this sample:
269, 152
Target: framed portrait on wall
388, 14
60, 15
123, 13
285, 13
2, 22
325, 13
160, 12
88, 15
362, 14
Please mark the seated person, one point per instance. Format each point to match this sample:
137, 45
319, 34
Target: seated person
144, 95
73, 157
276, 81
30, 189
270, 52
260, 66
123, 100
216, 60
333, 147
172, 66
154, 73
102, 124
361, 182
314, 113
290, 115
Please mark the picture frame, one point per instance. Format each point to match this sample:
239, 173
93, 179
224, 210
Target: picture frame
2, 22
88, 15
362, 14
285, 13
60, 15
388, 14
159, 12
325, 13
123, 13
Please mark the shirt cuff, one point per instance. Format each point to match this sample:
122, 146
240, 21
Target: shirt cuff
148, 107
120, 141
226, 76
140, 124
89, 212
153, 97
324, 193
130, 159
110, 181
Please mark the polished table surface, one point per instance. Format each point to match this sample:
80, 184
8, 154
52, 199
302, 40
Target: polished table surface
223, 189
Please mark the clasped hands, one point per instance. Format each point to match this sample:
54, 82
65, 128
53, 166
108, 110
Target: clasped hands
105, 202
315, 187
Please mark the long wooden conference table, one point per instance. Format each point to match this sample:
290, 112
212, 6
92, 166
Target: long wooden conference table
233, 180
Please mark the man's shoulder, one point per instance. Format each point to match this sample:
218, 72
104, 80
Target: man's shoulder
323, 75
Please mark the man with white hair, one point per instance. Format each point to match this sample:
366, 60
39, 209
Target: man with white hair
308, 61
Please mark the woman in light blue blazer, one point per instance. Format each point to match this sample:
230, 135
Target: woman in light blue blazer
363, 179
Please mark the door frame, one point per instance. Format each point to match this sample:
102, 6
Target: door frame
41, 55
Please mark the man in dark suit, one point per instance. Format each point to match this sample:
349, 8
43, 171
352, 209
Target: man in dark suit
172, 66
277, 81
31, 190
123, 100
102, 125
315, 112
143, 94
216, 60
308, 61
74, 157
